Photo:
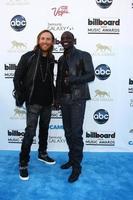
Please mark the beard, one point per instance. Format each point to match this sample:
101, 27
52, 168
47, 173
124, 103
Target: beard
46, 50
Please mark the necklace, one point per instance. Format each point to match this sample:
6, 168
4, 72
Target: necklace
42, 73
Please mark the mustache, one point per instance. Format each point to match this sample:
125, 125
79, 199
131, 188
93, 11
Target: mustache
44, 44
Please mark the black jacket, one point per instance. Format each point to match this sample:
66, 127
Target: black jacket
81, 71
25, 74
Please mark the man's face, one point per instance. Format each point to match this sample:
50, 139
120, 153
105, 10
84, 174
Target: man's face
67, 40
45, 41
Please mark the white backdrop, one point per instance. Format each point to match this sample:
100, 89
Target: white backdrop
101, 27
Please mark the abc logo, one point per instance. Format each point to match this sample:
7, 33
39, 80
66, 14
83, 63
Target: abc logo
18, 23
104, 3
101, 116
102, 72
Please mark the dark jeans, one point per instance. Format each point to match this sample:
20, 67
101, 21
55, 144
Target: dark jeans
33, 114
73, 117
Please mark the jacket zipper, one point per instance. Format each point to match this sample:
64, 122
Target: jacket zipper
52, 84
34, 77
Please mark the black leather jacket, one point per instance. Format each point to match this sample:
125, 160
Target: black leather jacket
25, 74
81, 71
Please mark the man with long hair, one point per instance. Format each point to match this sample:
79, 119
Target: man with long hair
34, 85
75, 70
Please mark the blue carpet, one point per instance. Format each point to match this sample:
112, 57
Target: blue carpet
105, 176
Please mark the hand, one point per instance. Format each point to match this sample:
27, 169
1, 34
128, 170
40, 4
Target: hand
19, 98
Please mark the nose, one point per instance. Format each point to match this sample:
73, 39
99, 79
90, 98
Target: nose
44, 40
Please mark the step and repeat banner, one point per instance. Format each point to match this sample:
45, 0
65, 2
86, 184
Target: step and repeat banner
101, 27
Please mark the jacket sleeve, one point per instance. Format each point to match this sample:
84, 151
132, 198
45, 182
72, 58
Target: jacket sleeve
19, 74
86, 70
